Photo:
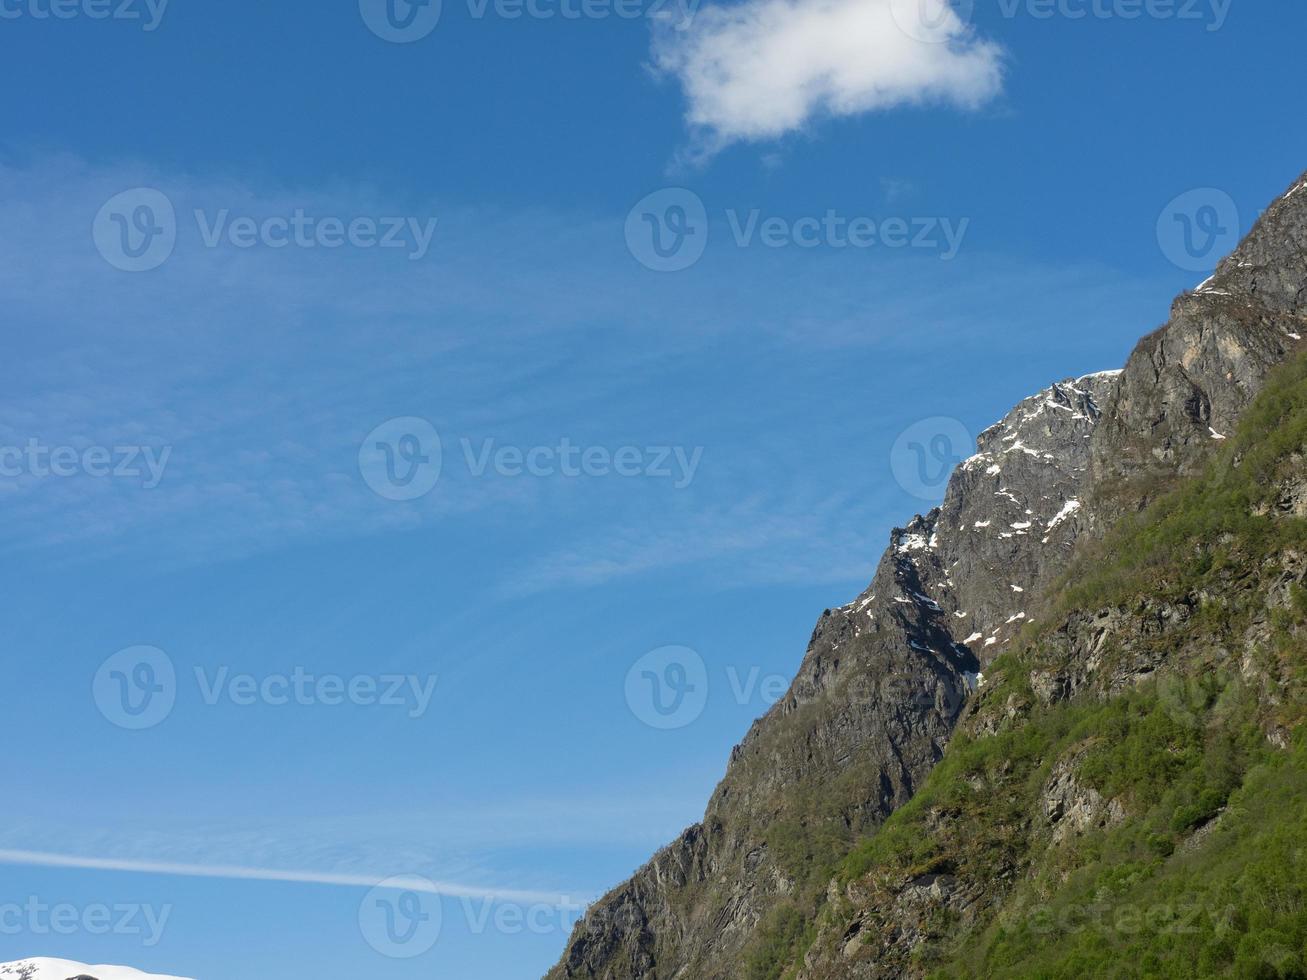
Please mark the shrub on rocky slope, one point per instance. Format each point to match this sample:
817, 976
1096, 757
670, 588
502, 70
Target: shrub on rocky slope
1128, 795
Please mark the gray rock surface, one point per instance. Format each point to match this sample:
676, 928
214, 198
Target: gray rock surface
1186, 384
874, 701
885, 677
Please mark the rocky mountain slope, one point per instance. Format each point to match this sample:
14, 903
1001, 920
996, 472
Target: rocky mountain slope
764, 885
1187, 384
1128, 794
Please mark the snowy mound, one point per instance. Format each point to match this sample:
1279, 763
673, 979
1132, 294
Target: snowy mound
44, 968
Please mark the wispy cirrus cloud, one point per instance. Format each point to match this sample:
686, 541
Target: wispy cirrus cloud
822, 539
230, 872
519, 328
456, 849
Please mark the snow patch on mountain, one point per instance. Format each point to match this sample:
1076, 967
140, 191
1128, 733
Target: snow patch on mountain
45, 968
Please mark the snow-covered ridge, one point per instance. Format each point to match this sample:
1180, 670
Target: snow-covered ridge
45, 968
1027, 428
1010, 517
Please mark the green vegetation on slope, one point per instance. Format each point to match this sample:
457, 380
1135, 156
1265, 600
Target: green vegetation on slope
1203, 870
1234, 905
785, 931
1216, 523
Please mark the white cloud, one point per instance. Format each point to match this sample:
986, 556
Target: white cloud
762, 68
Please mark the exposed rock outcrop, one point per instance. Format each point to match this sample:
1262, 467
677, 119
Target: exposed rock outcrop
872, 706
1187, 383
885, 678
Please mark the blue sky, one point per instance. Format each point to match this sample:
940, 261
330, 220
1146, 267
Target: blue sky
759, 394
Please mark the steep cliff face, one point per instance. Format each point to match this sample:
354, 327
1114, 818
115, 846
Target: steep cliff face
1011, 514
871, 708
1127, 796
1177, 633
886, 677
1186, 384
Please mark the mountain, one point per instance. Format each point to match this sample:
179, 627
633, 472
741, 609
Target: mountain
44, 968
957, 731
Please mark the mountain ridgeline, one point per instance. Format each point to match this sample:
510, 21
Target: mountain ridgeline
1059, 733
